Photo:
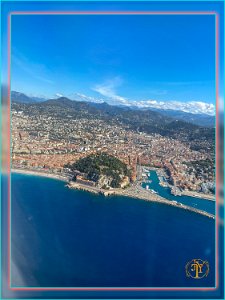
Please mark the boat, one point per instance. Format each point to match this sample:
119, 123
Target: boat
163, 184
154, 192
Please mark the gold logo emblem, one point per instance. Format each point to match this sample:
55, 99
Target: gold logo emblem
197, 268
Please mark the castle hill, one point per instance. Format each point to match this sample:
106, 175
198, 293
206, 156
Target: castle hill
107, 149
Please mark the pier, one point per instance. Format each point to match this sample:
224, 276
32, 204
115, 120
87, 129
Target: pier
138, 192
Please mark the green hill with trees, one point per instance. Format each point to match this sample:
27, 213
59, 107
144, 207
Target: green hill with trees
104, 169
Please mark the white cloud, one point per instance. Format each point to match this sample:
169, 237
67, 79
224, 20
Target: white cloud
58, 95
108, 90
82, 97
33, 69
195, 107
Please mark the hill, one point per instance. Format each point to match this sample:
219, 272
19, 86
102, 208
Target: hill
22, 98
197, 119
202, 120
103, 169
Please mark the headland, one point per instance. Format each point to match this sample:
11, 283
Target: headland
137, 192
134, 191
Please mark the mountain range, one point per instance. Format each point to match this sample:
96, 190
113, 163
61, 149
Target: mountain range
203, 120
21, 97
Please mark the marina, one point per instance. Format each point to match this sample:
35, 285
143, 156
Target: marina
145, 189
158, 184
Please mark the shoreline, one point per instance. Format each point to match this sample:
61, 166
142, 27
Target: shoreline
187, 193
130, 192
41, 174
199, 195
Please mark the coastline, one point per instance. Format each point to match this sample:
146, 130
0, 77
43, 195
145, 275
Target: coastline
40, 173
199, 195
186, 193
131, 192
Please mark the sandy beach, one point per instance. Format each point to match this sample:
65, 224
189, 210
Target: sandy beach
40, 173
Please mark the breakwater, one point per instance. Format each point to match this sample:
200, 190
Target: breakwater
137, 192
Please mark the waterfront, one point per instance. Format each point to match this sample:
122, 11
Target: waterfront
137, 190
42, 173
198, 203
63, 237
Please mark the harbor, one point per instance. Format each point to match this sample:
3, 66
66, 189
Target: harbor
157, 182
124, 228
150, 186
147, 188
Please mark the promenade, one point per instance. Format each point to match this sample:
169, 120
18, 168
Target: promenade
62, 177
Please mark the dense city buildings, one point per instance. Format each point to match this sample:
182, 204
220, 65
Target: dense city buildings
49, 138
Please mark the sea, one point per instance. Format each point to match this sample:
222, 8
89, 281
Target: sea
68, 238
198, 203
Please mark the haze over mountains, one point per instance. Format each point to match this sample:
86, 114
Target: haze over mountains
150, 122
200, 119
21, 97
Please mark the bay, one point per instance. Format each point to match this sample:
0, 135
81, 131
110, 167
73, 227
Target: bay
68, 238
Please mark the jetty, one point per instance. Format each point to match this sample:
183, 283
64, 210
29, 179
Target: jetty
134, 191
138, 192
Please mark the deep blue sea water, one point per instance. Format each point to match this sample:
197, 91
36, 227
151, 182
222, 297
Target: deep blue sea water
199, 203
63, 237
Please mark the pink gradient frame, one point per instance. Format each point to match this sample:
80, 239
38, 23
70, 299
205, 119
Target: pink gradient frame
9, 146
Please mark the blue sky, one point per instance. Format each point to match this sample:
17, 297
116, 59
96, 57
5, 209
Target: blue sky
119, 59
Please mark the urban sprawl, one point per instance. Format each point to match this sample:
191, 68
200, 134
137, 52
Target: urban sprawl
48, 141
